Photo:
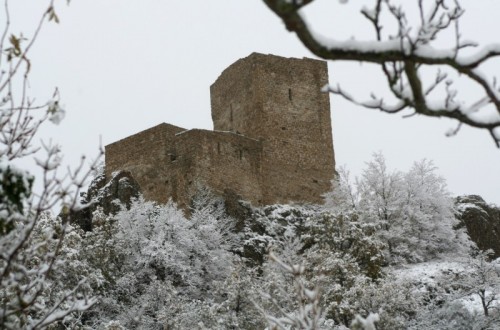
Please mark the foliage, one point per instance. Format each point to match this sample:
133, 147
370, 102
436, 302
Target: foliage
15, 189
450, 316
337, 253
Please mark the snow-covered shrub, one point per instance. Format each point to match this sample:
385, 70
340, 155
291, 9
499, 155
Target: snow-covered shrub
450, 316
393, 300
337, 251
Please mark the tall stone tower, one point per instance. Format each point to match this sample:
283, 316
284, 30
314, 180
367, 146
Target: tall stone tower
279, 102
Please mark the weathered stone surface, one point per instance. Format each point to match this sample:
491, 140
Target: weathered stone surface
279, 102
120, 190
236, 208
481, 220
272, 139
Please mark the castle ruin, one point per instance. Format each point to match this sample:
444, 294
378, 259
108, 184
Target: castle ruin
271, 143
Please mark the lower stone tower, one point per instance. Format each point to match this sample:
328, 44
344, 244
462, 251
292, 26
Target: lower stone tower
272, 139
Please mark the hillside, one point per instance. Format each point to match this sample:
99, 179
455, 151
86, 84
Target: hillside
154, 267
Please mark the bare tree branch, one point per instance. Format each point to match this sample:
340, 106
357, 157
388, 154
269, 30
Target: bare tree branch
402, 56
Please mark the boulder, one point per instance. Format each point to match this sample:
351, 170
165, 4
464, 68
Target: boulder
109, 195
481, 220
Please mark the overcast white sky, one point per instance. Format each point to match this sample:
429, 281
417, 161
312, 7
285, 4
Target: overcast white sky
125, 65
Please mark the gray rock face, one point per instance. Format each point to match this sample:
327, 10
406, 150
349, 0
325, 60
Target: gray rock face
481, 220
120, 190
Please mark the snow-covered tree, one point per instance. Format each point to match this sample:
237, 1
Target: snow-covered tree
380, 191
160, 268
413, 211
482, 278
421, 52
31, 239
345, 196
428, 213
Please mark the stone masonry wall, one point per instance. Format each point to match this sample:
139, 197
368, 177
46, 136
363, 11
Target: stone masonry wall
171, 166
144, 155
272, 141
221, 161
280, 102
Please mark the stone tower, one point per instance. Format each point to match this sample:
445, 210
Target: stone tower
279, 102
271, 143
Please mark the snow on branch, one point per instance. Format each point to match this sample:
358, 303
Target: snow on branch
32, 296
402, 56
308, 314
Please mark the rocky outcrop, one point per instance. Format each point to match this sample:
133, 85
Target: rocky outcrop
110, 196
482, 221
